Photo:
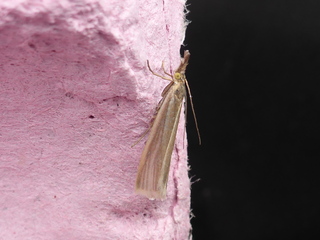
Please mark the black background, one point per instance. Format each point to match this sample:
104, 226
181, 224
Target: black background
254, 73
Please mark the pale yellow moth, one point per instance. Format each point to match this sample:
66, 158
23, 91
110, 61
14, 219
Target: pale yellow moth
153, 170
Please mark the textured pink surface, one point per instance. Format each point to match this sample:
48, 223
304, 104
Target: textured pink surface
75, 93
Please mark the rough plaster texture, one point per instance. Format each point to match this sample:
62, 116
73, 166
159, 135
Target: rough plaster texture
75, 93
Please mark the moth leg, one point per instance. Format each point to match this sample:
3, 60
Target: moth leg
142, 136
165, 78
163, 69
150, 124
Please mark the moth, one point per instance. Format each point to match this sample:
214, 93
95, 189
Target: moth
153, 170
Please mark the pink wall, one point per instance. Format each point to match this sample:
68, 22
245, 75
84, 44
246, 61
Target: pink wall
75, 94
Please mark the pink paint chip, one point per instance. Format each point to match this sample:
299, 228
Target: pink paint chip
75, 94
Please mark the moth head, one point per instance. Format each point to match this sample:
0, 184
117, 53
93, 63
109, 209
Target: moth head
177, 75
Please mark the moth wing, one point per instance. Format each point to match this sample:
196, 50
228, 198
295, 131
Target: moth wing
155, 161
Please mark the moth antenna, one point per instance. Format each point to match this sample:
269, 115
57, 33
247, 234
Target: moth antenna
193, 112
